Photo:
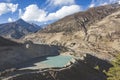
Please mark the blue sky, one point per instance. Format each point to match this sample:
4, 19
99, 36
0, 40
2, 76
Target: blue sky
44, 11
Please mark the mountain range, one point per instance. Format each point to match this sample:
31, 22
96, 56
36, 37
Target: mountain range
91, 36
17, 29
81, 20
95, 31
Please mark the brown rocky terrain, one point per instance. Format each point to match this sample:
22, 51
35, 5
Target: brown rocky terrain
82, 20
95, 31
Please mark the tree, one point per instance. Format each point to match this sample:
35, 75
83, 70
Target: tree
114, 72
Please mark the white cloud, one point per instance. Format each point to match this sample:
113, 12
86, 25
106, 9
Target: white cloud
10, 19
60, 2
34, 13
20, 12
119, 1
105, 3
92, 5
64, 11
102, 2
7, 7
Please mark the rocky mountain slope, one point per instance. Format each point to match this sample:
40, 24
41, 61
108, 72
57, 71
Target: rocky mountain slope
12, 53
81, 20
17, 29
5, 42
95, 31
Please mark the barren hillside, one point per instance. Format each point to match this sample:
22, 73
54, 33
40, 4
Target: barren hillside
95, 31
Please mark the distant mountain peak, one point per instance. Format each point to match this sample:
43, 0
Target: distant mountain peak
17, 29
20, 21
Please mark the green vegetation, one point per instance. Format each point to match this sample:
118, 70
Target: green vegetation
114, 72
97, 67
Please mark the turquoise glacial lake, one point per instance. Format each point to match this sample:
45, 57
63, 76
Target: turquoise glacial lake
52, 61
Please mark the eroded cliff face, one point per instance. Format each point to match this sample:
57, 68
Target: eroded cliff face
100, 36
82, 20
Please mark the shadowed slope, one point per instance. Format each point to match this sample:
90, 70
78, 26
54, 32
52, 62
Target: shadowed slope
6, 42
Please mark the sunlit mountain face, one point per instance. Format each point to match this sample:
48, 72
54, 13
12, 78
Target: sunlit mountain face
59, 39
